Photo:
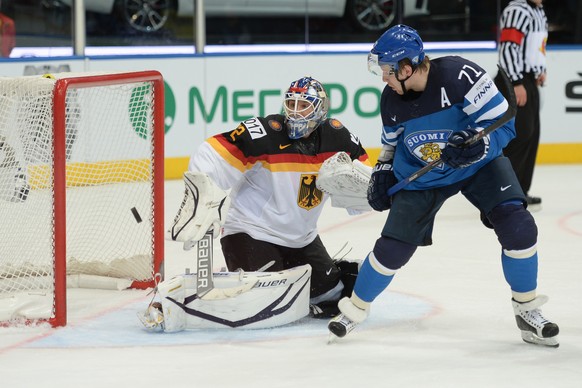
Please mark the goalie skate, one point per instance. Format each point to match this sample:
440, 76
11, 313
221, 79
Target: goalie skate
153, 317
535, 329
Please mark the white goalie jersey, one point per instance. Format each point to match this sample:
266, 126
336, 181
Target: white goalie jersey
273, 180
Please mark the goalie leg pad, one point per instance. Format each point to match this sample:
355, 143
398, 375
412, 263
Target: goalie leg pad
153, 317
275, 299
172, 294
165, 314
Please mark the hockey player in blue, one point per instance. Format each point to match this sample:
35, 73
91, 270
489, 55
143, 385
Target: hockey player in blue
429, 108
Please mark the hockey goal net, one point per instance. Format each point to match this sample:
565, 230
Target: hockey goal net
81, 188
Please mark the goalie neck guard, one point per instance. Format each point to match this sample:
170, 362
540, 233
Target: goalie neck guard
305, 105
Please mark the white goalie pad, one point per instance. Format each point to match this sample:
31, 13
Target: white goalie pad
248, 300
204, 208
346, 181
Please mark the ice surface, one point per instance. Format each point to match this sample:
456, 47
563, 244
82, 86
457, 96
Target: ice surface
445, 321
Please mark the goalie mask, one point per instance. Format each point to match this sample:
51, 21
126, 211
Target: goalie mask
306, 105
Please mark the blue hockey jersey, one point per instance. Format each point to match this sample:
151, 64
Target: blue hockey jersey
459, 94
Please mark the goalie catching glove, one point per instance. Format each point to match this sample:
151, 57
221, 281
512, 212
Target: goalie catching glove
346, 181
203, 209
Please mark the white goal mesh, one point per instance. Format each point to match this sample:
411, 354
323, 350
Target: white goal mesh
81, 187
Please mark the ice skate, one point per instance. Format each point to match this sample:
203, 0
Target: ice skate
153, 317
347, 320
340, 326
535, 329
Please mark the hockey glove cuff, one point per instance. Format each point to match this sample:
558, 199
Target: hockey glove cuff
382, 179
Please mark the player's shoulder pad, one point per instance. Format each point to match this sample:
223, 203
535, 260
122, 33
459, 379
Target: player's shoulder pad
453, 66
461, 74
477, 85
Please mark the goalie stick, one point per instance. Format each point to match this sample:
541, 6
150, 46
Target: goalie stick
204, 274
204, 280
507, 116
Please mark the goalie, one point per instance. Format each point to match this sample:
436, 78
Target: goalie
271, 165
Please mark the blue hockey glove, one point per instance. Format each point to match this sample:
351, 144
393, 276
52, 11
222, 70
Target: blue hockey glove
458, 156
382, 179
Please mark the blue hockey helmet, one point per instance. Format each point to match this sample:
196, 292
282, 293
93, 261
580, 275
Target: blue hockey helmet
397, 43
305, 105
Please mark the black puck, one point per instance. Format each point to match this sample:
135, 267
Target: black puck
136, 215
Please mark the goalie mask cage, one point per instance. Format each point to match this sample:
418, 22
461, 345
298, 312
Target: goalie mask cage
81, 188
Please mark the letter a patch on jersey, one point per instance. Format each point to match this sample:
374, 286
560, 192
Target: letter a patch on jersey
309, 195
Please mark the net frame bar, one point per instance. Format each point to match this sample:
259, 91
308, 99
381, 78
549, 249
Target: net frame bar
59, 177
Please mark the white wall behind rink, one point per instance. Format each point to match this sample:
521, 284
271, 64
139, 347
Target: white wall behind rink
257, 83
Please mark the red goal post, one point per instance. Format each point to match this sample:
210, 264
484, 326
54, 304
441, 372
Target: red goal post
81, 188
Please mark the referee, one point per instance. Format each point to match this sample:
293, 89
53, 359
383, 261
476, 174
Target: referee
522, 54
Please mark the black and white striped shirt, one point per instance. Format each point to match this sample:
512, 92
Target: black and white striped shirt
522, 43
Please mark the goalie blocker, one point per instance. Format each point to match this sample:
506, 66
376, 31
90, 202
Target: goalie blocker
203, 209
240, 300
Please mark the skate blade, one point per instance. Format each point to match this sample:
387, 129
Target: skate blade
531, 338
332, 338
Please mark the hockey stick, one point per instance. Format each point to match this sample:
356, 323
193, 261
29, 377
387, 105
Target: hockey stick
204, 274
507, 116
204, 279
